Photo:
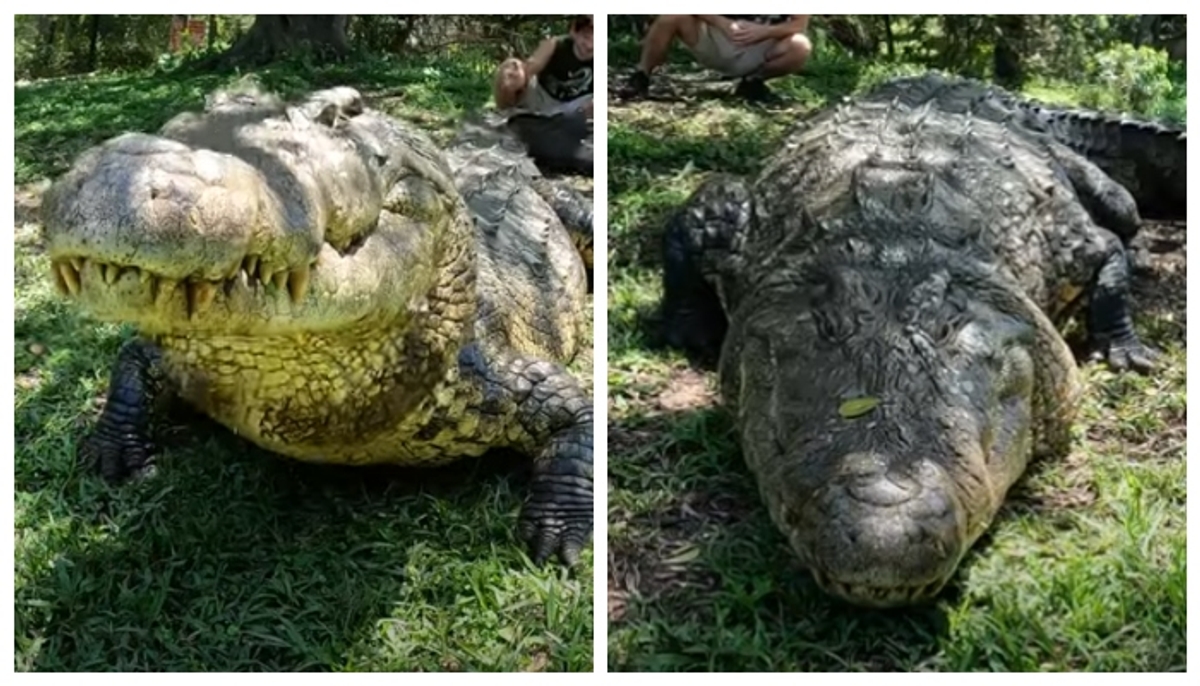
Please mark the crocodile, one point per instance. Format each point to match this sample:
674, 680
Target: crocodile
325, 281
884, 302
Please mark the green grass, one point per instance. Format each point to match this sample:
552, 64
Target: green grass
232, 559
1085, 568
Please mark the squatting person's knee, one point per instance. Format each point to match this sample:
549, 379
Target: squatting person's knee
799, 47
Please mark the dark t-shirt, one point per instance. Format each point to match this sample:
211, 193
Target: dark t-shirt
566, 77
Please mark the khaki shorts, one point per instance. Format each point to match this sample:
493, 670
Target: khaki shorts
714, 50
537, 100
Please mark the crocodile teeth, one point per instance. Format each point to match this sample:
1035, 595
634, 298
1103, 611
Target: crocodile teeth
200, 295
60, 283
250, 266
298, 283
77, 263
111, 273
165, 288
280, 279
69, 276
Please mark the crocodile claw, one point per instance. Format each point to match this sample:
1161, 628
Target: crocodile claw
1126, 355
557, 520
117, 457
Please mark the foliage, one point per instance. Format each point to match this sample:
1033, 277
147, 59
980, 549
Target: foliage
1125, 78
49, 46
1048, 45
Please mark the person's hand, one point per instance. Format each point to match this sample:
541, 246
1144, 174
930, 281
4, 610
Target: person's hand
747, 34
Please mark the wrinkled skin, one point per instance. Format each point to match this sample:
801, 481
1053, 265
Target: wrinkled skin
312, 277
884, 297
522, 146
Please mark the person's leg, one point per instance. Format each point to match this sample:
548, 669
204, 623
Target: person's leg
786, 56
655, 46
658, 39
581, 104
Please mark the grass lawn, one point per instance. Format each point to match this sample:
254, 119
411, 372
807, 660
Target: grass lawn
1084, 569
232, 559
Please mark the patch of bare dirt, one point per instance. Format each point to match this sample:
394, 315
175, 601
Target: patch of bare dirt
659, 554
686, 390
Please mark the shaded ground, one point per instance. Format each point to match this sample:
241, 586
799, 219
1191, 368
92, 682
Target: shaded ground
1085, 568
232, 559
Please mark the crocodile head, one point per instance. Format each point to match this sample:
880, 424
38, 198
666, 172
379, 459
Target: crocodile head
889, 394
254, 218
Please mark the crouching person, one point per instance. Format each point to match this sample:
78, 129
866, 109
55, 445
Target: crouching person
556, 78
753, 48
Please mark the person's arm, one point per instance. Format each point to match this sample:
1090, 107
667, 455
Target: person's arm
797, 24
540, 58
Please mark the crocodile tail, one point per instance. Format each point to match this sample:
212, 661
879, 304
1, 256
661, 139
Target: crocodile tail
1148, 159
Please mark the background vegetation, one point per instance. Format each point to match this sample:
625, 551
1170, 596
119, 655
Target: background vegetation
232, 559
1084, 569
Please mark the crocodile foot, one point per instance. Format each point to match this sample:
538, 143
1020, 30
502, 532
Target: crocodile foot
1125, 354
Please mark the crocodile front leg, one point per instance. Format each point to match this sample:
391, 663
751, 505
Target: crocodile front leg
1110, 327
553, 423
121, 444
698, 239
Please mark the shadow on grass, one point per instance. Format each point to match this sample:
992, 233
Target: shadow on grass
231, 558
711, 585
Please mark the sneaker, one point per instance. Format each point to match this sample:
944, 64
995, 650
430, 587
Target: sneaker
754, 90
638, 86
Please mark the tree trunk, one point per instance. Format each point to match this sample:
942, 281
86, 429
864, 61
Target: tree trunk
93, 42
47, 33
1177, 49
274, 36
1146, 26
891, 38
1007, 54
212, 31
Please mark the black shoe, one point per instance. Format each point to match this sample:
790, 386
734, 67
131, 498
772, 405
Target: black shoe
754, 90
638, 86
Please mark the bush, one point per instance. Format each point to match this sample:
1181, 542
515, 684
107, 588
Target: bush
1128, 79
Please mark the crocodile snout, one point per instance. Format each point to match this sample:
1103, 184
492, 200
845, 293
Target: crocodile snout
886, 537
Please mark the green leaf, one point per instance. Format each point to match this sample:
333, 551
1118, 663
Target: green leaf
857, 407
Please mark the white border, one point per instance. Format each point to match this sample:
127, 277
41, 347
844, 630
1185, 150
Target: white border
600, 8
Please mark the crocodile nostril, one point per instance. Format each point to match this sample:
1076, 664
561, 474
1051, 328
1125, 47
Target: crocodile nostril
882, 489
